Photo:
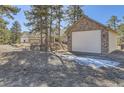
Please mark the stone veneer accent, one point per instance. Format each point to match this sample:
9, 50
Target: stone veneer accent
86, 24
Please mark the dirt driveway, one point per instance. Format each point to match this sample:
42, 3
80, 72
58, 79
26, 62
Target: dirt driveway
31, 68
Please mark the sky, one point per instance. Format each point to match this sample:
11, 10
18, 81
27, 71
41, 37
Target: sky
100, 13
20, 17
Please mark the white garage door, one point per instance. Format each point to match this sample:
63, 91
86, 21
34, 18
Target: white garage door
86, 41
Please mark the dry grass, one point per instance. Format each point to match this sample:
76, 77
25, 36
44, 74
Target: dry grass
31, 68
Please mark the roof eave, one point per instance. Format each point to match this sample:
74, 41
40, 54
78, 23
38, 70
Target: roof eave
107, 28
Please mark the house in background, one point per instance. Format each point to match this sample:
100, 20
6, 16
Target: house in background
34, 38
30, 38
87, 35
25, 37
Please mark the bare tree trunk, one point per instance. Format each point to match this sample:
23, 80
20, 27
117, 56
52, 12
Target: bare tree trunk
46, 39
77, 8
74, 13
41, 32
50, 41
54, 39
59, 28
114, 25
59, 20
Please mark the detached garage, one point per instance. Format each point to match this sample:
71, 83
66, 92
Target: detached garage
87, 35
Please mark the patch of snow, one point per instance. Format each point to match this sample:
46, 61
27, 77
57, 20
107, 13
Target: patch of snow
91, 61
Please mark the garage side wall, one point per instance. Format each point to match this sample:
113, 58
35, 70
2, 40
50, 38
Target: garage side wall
85, 24
112, 41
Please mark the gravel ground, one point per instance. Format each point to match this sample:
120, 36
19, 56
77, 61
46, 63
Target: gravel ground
8, 48
38, 69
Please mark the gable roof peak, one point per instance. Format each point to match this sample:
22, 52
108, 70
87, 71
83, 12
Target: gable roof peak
88, 18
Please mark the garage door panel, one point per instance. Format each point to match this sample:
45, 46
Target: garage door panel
86, 41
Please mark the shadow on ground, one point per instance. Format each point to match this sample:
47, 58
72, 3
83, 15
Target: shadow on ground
27, 68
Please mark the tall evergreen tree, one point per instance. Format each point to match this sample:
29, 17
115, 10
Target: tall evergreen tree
113, 22
6, 11
74, 12
4, 33
16, 30
121, 27
38, 21
59, 18
51, 19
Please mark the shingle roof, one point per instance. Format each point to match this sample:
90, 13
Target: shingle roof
84, 16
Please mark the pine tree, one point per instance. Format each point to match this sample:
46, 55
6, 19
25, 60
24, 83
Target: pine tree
74, 12
5, 34
113, 22
6, 11
38, 21
51, 19
59, 18
16, 30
